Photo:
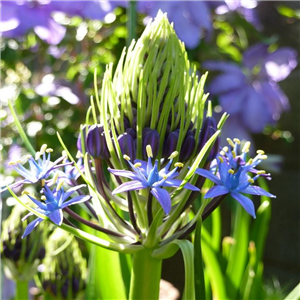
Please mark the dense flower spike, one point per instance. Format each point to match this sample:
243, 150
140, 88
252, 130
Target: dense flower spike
145, 175
233, 177
40, 168
55, 202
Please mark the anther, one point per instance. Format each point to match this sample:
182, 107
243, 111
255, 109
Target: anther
49, 150
250, 180
222, 153
55, 177
260, 152
149, 151
230, 142
233, 154
179, 165
28, 156
37, 155
43, 182
12, 163
165, 176
173, 154
43, 148
246, 147
250, 161
25, 193
59, 185
136, 165
263, 157
64, 153
79, 154
221, 159
43, 198
126, 157
237, 141
261, 172
231, 171
225, 149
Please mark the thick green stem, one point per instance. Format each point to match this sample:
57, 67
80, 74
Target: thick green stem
21, 290
145, 276
131, 22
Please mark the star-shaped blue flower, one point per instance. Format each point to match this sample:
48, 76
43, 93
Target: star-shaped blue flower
232, 177
39, 168
145, 175
55, 202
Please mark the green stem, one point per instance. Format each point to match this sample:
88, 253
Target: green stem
145, 276
21, 290
131, 22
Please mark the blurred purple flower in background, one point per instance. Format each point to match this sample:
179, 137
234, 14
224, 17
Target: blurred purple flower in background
191, 19
245, 7
250, 93
18, 17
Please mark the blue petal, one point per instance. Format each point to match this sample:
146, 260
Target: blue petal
163, 198
245, 202
56, 216
177, 183
129, 186
38, 203
216, 191
75, 200
122, 173
31, 226
209, 175
256, 190
71, 191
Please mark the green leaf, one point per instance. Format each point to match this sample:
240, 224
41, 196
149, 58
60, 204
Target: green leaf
294, 294
105, 275
198, 264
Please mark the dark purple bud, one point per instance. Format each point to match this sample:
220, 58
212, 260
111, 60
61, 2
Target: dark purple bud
79, 140
126, 143
126, 123
187, 148
132, 132
209, 127
171, 143
150, 137
96, 142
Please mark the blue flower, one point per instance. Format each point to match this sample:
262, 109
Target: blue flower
145, 175
40, 168
233, 178
55, 202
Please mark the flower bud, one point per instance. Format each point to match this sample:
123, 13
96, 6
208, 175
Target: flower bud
21, 257
81, 140
187, 148
127, 146
96, 143
65, 272
150, 137
171, 143
209, 127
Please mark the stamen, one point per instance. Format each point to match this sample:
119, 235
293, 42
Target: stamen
261, 172
250, 180
79, 154
225, 149
136, 165
250, 162
165, 176
43, 198
64, 153
221, 159
43, 148
59, 185
43, 182
230, 142
233, 154
126, 157
231, 171
263, 157
37, 155
49, 150
55, 177
222, 153
260, 152
179, 165
25, 193
12, 163
246, 147
149, 151
237, 141
173, 155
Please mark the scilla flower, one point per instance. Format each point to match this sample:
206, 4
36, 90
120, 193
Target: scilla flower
233, 176
55, 202
40, 168
145, 175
